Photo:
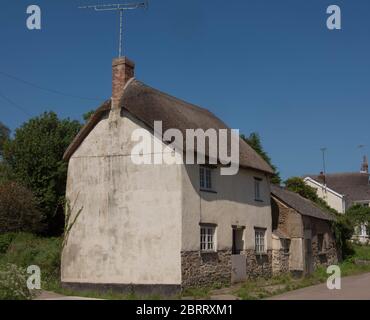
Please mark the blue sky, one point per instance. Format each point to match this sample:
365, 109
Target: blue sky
261, 65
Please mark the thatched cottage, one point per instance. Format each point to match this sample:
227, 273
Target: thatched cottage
159, 227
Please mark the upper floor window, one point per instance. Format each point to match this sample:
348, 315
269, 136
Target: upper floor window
257, 189
205, 176
207, 238
260, 241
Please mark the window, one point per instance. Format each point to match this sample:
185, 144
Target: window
257, 189
205, 176
207, 238
285, 245
320, 242
260, 240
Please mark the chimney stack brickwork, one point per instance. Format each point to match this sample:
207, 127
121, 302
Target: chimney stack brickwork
123, 70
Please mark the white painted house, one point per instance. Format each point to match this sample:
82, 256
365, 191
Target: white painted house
159, 227
343, 190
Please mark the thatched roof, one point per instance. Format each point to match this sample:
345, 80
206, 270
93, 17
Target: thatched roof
148, 105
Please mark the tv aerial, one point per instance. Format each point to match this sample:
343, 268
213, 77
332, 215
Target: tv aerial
120, 8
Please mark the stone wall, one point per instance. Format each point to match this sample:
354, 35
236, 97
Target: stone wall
280, 262
329, 254
205, 269
258, 265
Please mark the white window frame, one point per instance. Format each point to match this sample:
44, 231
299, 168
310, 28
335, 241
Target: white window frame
208, 238
205, 178
260, 240
257, 189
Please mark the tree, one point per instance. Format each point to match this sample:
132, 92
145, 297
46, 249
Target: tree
86, 116
4, 136
35, 158
254, 141
298, 185
359, 215
18, 210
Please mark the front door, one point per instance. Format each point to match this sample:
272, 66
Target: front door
308, 257
238, 260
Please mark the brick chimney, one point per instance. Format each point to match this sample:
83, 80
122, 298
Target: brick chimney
122, 71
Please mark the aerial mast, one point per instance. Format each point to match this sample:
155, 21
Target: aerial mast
120, 8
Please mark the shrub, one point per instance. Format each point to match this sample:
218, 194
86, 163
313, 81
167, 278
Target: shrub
27, 249
13, 283
18, 212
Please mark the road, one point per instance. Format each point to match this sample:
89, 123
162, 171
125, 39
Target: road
353, 288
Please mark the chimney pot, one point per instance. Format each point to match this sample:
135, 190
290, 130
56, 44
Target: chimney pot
123, 70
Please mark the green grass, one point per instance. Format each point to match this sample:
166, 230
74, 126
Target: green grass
25, 249
362, 252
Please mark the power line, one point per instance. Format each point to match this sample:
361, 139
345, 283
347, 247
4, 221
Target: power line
15, 104
48, 89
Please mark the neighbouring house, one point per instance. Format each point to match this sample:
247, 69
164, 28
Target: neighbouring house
302, 237
158, 228
343, 190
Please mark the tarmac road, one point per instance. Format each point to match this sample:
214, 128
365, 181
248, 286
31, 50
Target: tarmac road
352, 288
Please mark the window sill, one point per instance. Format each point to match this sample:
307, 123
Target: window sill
208, 252
208, 191
258, 200
322, 253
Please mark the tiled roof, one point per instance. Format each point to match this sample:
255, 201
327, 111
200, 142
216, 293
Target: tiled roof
301, 205
354, 185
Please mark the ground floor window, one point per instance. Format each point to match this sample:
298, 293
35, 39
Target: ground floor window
260, 240
285, 245
207, 238
320, 243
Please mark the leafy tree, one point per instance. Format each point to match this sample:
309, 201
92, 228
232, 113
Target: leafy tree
254, 141
35, 158
359, 215
6, 173
4, 136
88, 115
18, 210
298, 185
